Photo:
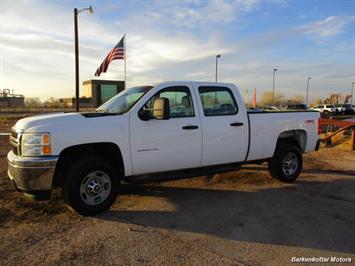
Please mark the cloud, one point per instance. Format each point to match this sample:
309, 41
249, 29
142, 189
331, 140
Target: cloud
46, 43
192, 14
196, 75
165, 41
327, 27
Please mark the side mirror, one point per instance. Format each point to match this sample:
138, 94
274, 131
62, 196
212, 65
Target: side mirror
144, 114
161, 108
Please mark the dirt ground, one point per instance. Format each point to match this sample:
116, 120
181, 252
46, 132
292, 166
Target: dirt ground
237, 218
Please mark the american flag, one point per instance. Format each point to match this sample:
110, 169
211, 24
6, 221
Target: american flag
118, 52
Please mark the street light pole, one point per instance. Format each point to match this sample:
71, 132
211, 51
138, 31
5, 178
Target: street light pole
76, 44
217, 56
352, 92
76, 60
273, 87
307, 90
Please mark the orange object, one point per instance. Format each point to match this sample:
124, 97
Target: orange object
344, 125
46, 150
254, 98
46, 139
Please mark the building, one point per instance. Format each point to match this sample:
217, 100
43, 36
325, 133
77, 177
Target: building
99, 91
70, 102
8, 99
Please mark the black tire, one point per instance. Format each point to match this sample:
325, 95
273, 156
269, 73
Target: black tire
100, 172
326, 113
287, 163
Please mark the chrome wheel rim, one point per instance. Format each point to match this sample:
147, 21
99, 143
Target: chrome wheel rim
95, 188
290, 164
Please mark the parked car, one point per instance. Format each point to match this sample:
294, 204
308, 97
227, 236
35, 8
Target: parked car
325, 109
340, 108
134, 137
345, 109
298, 107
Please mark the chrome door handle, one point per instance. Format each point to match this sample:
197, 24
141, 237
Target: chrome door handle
236, 124
190, 127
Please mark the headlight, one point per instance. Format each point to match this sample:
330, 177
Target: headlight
36, 144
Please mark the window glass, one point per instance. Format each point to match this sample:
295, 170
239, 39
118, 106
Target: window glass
180, 101
329, 106
107, 92
217, 101
123, 101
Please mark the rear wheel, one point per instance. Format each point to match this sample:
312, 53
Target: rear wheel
90, 186
287, 163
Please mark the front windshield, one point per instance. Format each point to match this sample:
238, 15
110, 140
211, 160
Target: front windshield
123, 101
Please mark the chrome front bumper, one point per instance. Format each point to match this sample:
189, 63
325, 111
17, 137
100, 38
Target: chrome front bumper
31, 174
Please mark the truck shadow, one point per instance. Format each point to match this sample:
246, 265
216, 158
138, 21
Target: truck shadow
317, 215
307, 171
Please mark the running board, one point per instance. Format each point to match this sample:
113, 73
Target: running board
180, 174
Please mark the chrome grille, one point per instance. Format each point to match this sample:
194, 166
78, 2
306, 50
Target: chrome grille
15, 141
13, 136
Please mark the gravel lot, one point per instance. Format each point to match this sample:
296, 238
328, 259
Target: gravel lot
237, 218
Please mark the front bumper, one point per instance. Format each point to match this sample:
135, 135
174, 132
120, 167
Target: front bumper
32, 175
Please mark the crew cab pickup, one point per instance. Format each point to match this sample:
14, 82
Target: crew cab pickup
148, 134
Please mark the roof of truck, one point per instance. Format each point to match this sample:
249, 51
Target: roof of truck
195, 82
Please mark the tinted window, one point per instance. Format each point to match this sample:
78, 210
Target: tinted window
180, 101
217, 101
329, 106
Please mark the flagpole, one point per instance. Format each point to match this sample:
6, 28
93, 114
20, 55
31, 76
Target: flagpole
125, 63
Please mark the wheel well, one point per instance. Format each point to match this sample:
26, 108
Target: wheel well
299, 137
106, 150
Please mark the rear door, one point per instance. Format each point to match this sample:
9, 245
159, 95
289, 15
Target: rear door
164, 145
224, 125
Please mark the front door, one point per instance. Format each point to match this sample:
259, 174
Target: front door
162, 145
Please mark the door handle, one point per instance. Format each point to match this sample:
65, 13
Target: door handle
190, 127
236, 124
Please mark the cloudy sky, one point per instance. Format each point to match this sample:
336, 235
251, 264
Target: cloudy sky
178, 40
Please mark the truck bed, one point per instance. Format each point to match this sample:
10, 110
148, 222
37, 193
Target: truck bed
265, 128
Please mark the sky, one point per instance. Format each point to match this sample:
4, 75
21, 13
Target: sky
178, 40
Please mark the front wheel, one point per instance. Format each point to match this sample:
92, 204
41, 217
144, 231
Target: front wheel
326, 113
287, 163
90, 186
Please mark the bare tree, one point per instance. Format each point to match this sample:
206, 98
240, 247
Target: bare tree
52, 103
347, 98
266, 98
296, 99
33, 102
317, 101
338, 98
333, 98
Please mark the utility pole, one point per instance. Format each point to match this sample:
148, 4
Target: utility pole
307, 90
76, 44
76, 60
273, 87
217, 56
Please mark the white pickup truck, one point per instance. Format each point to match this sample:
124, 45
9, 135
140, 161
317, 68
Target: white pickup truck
147, 134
